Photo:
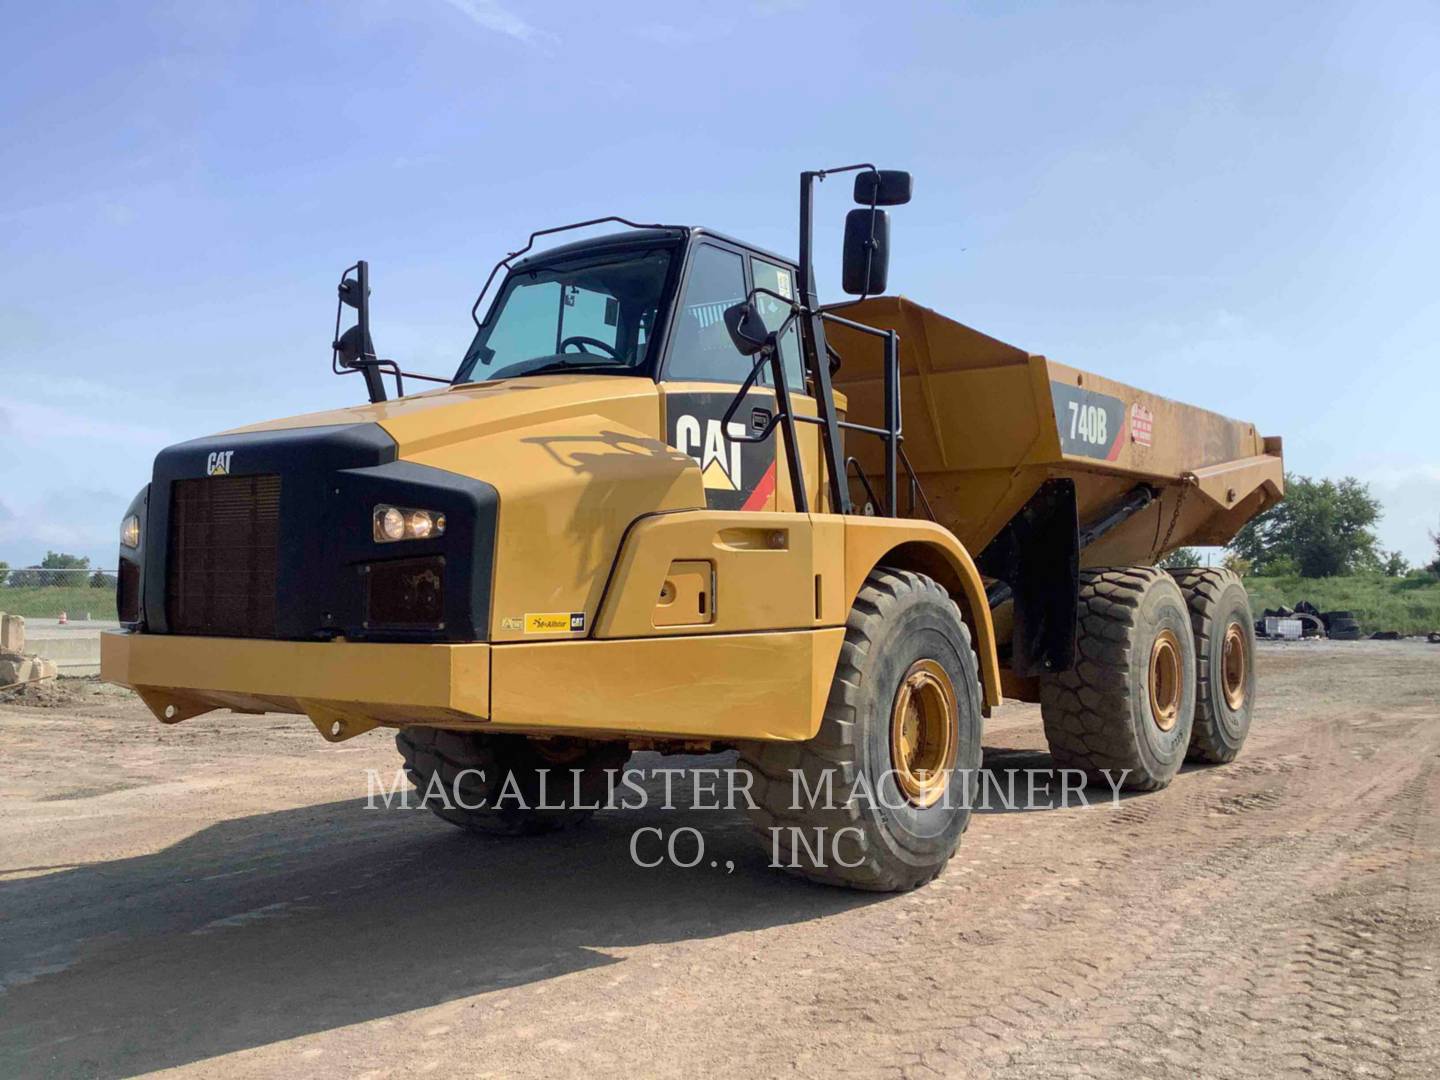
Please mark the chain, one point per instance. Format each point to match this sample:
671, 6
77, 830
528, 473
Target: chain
1188, 479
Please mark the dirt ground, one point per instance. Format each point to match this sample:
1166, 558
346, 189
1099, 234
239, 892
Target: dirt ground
216, 899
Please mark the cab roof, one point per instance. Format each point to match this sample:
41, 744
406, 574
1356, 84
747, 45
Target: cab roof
655, 234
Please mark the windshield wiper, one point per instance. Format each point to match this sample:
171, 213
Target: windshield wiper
552, 366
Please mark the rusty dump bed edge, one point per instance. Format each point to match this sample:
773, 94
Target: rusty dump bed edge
986, 423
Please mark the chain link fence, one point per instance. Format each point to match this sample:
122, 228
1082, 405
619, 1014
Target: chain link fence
43, 592
41, 577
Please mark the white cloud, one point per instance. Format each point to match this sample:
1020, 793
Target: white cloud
44, 428
75, 467
1410, 499
78, 521
491, 16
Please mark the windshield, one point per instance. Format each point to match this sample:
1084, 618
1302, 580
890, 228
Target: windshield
586, 313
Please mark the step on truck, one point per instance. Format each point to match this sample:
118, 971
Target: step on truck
669, 501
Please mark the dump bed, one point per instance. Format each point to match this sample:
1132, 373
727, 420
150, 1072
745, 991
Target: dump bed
985, 424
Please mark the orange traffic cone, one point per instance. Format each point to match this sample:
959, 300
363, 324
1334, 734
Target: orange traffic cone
64, 618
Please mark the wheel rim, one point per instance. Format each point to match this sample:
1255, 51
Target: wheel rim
1234, 667
1165, 680
924, 732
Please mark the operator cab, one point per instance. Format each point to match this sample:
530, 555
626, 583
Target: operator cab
618, 304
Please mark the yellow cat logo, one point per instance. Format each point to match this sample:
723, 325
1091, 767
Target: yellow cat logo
718, 457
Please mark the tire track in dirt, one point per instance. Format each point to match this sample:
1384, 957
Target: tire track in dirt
1242, 954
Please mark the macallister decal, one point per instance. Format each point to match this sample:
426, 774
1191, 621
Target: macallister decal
1142, 425
555, 622
736, 475
1091, 424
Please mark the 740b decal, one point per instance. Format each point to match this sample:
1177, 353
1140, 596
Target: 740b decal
1091, 424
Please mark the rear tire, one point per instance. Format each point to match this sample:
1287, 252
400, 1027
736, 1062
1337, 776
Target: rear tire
1224, 628
1129, 703
471, 768
902, 722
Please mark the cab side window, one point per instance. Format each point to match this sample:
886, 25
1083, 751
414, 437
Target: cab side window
700, 347
778, 279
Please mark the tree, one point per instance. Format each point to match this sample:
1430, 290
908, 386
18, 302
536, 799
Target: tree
4, 572
40, 574
101, 580
1434, 566
58, 560
1322, 529
28, 577
1394, 564
1237, 563
1181, 557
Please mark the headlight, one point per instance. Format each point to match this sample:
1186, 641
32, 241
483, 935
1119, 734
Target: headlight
130, 532
393, 523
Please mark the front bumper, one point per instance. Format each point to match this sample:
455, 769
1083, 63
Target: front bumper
767, 686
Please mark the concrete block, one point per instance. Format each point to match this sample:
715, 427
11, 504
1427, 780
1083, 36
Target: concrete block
12, 633
15, 669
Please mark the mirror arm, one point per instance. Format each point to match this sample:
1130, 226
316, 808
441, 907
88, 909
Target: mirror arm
870, 248
372, 368
761, 359
783, 416
427, 378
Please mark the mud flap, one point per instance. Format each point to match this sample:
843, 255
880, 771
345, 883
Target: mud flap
1037, 555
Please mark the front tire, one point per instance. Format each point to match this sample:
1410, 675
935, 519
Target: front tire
462, 777
902, 723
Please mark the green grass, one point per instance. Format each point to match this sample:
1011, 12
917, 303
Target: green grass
47, 601
1410, 605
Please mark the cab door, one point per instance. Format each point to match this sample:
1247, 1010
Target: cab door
703, 370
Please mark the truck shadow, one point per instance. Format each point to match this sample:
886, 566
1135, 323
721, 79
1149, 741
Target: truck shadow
1006, 784
265, 928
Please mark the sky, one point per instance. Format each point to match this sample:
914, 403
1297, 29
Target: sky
1230, 204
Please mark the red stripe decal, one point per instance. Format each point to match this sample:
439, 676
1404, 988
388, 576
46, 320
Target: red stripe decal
1116, 445
763, 490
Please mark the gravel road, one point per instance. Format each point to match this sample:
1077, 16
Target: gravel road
215, 898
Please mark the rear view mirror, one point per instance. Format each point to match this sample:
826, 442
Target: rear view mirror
350, 292
354, 345
885, 187
747, 330
866, 266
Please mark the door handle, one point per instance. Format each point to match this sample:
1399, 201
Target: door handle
759, 420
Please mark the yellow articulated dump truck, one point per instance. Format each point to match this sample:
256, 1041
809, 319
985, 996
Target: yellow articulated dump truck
668, 501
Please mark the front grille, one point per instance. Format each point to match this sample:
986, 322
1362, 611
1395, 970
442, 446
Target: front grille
224, 543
